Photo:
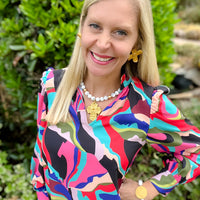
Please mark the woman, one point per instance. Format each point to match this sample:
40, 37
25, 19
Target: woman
96, 115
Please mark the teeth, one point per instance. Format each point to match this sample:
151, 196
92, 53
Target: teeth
101, 59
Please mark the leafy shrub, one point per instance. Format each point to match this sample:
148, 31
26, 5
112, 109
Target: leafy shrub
34, 34
164, 20
14, 181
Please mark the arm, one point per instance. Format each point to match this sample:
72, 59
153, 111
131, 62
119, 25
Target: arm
37, 162
178, 140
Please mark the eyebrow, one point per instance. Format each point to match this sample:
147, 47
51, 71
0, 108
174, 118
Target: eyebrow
124, 27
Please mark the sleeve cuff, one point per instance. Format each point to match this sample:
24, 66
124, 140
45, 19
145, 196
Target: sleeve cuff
165, 182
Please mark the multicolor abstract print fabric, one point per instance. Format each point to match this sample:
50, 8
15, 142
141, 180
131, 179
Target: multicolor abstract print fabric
80, 160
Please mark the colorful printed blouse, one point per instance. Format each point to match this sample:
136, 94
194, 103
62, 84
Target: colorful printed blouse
80, 160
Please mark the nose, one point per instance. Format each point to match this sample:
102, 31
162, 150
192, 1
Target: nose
104, 40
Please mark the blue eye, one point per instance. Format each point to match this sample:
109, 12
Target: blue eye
121, 33
95, 26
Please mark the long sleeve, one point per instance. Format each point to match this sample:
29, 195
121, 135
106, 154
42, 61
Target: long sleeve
177, 140
38, 164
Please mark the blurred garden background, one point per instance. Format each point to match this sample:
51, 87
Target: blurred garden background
37, 34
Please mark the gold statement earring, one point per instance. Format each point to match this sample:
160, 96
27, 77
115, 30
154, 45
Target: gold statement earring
134, 55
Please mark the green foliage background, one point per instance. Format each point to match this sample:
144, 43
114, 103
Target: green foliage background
34, 35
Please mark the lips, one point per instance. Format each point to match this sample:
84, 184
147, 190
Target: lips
101, 59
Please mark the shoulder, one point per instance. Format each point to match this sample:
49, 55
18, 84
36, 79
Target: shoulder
149, 90
159, 91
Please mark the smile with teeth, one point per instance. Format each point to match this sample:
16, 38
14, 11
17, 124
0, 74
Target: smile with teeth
101, 59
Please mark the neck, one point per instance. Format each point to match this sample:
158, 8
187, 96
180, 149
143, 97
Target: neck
101, 86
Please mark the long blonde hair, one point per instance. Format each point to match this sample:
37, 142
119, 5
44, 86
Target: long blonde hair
147, 69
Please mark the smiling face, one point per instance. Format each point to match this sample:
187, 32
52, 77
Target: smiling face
109, 33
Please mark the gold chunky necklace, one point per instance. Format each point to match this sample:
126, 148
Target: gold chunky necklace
93, 109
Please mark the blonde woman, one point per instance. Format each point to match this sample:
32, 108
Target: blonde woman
96, 115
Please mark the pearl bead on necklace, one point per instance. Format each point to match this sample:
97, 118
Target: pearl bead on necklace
97, 99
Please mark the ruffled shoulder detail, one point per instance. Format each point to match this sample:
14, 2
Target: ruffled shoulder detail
51, 79
49, 83
164, 88
47, 74
158, 91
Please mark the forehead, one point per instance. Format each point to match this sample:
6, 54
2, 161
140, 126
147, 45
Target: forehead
114, 10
